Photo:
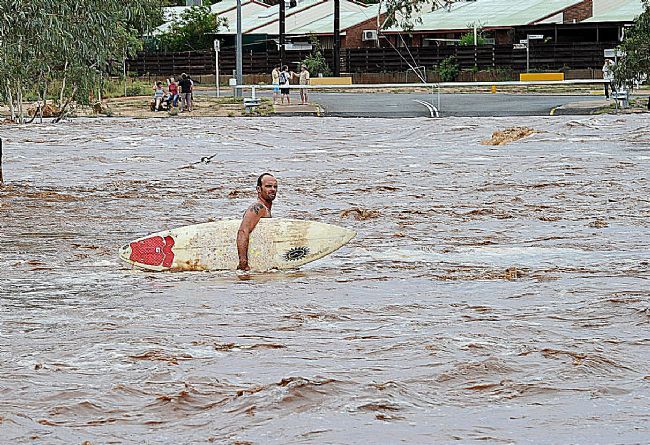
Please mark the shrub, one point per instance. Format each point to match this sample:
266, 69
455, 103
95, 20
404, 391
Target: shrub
448, 69
468, 39
138, 89
316, 63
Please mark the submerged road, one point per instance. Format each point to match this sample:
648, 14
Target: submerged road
399, 105
465, 105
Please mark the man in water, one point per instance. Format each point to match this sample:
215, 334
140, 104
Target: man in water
267, 189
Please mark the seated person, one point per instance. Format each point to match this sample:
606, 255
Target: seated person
158, 95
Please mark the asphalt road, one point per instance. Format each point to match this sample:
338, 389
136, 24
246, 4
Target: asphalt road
467, 105
463, 105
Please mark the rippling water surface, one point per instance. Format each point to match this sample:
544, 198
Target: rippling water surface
493, 294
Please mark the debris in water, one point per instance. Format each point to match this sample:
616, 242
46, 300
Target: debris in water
508, 135
598, 224
359, 214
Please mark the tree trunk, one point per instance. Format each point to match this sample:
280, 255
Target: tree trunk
65, 68
99, 92
1, 178
10, 98
67, 102
44, 101
19, 99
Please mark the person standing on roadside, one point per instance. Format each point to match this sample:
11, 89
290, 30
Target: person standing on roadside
304, 80
275, 81
284, 78
185, 86
608, 77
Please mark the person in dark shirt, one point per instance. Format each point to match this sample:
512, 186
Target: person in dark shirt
185, 85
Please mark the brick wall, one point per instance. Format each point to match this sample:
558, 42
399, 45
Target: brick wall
579, 12
353, 34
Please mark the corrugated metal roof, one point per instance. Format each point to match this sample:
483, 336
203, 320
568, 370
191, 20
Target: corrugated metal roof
490, 13
615, 11
250, 17
319, 18
225, 8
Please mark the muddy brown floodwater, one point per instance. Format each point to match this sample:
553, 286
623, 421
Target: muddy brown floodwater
494, 294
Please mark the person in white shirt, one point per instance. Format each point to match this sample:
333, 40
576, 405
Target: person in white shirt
285, 77
275, 79
608, 76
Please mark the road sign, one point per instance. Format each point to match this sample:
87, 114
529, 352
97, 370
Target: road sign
523, 41
519, 46
217, 45
535, 36
612, 53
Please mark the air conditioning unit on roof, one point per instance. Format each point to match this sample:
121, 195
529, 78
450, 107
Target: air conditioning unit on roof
369, 34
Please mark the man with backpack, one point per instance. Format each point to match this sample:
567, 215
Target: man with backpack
284, 78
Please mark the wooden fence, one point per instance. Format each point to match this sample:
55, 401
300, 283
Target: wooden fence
543, 56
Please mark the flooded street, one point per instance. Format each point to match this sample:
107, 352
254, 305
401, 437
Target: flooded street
493, 294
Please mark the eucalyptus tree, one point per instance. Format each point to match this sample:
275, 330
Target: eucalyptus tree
635, 64
74, 41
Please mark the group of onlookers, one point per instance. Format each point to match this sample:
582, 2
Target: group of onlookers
177, 92
281, 80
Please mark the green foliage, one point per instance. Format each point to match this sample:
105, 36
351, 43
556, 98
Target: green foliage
138, 89
448, 69
635, 65
316, 63
194, 30
468, 39
77, 40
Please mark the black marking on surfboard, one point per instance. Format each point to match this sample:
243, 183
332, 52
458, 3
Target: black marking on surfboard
296, 253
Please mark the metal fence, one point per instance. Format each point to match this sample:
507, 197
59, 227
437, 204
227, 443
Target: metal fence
543, 56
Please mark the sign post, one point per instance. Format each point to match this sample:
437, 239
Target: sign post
530, 37
217, 47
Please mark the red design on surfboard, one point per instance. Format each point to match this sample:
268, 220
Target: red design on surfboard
154, 251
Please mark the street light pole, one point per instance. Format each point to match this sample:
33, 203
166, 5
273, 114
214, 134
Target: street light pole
336, 56
281, 31
238, 62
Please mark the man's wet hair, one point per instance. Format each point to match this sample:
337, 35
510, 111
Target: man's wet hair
259, 180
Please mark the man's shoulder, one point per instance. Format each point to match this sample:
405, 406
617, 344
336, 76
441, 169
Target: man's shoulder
258, 208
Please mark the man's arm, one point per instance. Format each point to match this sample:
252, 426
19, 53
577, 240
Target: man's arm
248, 223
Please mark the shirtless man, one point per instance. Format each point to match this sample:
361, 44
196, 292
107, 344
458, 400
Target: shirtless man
267, 188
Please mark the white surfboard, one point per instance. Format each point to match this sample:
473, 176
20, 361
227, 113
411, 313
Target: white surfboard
275, 243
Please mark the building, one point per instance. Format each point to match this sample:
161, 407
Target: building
508, 21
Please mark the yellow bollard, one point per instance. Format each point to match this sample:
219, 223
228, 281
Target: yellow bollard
494, 89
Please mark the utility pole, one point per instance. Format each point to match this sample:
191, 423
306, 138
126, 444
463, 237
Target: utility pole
336, 54
282, 30
239, 75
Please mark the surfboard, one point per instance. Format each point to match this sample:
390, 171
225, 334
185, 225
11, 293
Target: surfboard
276, 243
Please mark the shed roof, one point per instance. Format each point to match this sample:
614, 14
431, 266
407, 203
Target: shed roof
319, 18
490, 14
615, 11
224, 8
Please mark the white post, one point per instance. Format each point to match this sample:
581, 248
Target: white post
475, 35
216, 65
